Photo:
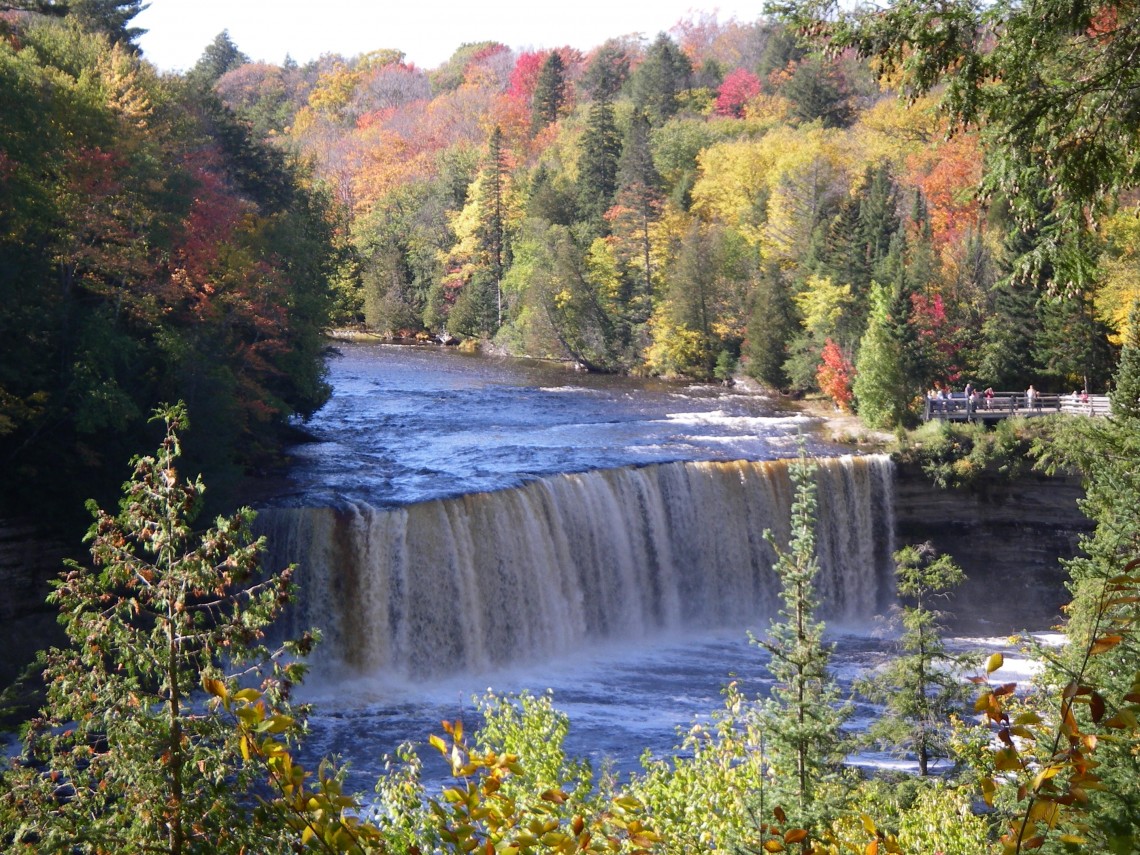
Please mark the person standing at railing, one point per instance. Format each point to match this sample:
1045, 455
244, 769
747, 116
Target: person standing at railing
989, 393
1031, 399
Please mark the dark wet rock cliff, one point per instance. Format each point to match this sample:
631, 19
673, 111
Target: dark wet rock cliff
1008, 537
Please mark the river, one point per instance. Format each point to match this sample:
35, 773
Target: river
465, 523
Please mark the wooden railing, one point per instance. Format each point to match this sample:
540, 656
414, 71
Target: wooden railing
958, 408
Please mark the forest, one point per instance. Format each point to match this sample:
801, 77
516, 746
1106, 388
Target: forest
863, 205
720, 195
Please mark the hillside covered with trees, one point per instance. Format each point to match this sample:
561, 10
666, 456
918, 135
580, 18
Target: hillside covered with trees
152, 249
719, 193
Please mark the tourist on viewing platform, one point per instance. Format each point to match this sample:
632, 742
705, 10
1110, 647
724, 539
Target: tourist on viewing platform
989, 393
1031, 400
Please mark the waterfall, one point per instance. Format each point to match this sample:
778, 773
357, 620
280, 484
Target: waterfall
487, 579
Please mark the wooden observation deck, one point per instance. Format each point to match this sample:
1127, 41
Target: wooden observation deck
1003, 405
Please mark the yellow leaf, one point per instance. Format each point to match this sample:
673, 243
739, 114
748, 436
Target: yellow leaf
245, 747
1007, 760
868, 824
988, 790
1046, 812
1105, 642
795, 835
773, 846
250, 695
1044, 775
306, 835
871, 848
437, 742
995, 661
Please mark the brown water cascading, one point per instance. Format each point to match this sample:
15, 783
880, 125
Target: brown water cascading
485, 580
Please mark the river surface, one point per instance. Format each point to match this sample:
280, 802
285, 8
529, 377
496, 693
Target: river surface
408, 423
411, 424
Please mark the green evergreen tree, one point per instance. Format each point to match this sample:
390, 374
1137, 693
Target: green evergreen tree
817, 94
801, 719
780, 48
124, 757
856, 244
880, 387
607, 71
492, 228
693, 281
922, 265
549, 93
220, 56
640, 191
770, 327
598, 164
112, 18
1126, 385
1072, 346
1009, 330
658, 81
923, 687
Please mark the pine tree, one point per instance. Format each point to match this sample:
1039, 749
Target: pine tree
770, 328
640, 193
607, 72
110, 17
549, 93
1010, 327
817, 94
659, 80
923, 686
879, 385
492, 228
220, 56
598, 163
1072, 346
1126, 394
802, 717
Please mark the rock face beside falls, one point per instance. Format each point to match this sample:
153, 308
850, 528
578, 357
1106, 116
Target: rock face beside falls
1008, 537
27, 622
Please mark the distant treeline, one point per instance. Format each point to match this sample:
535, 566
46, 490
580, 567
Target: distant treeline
719, 193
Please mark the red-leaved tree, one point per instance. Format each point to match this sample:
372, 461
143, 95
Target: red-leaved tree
740, 87
835, 374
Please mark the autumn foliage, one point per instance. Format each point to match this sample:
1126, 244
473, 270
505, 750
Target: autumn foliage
834, 374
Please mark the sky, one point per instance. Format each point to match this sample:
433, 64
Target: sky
427, 31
